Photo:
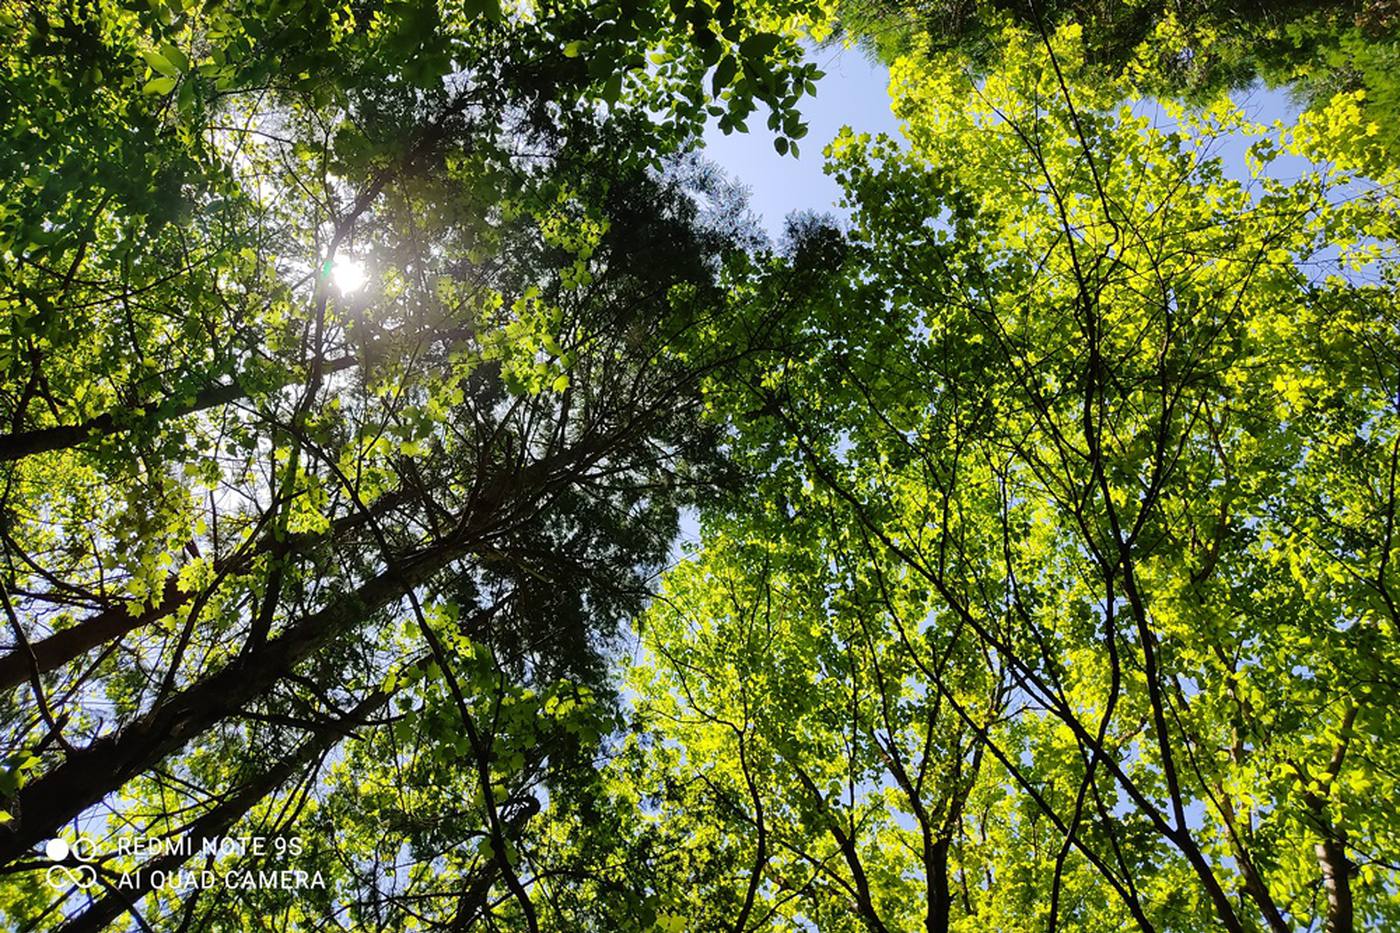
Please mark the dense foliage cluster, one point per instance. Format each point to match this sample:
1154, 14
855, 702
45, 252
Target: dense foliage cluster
360, 364
1187, 47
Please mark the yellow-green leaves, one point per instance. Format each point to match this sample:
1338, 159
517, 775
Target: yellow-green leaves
158, 86
1069, 472
168, 63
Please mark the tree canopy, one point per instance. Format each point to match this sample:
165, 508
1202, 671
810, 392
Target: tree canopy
361, 366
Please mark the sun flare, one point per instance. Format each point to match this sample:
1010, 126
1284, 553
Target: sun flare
348, 274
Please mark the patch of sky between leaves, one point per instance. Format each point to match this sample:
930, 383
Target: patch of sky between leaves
853, 92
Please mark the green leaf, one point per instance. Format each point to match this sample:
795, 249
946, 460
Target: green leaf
158, 86
175, 57
161, 64
612, 90
186, 97
724, 73
755, 47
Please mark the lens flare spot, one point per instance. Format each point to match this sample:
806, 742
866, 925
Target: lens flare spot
348, 274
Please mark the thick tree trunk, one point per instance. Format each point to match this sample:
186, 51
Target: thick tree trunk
940, 900
1331, 850
1336, 881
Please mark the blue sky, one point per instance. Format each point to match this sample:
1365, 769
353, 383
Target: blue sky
853, 93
